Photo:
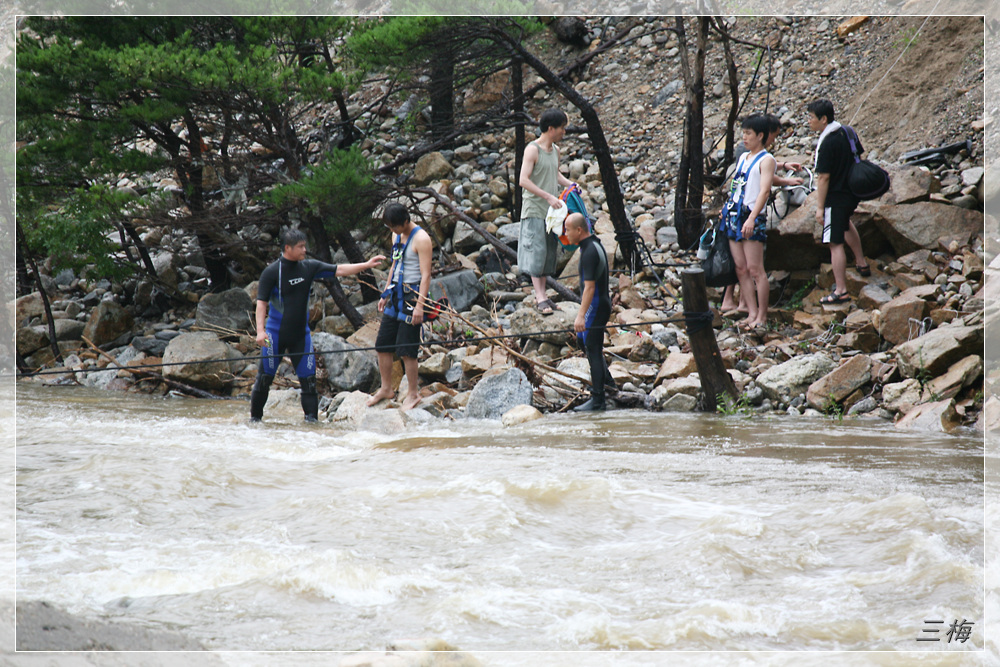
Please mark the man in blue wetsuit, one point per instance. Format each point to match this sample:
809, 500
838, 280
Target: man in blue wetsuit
283, 299
595, 309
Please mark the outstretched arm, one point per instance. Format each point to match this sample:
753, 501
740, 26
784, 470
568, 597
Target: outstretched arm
351, 269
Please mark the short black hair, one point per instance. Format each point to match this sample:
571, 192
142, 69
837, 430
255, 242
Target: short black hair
292, 237
821, 108
395, 214
552, 118
758, 123
773, 123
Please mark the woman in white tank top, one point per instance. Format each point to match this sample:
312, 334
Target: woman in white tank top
748, 222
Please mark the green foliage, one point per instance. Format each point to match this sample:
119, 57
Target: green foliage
833, 409
82, 232
795, 301
905, 39
727, 406
340, 190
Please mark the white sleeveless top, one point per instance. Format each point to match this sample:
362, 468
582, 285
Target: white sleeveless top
752, 187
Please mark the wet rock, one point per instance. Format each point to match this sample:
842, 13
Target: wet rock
197, 354
794, 376
864, 406
387, 422
284, 404
438, 403
230, 310
896, 315
519, 414
352, 408
839, 383
496, 394
41, 626
901, 396
939, 416
937, 350
680, 403
107, 323
960, 375
348, 369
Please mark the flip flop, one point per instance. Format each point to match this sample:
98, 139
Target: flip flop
865, 270
835, 298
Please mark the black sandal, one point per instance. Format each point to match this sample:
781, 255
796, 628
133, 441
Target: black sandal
835, 298
865, 270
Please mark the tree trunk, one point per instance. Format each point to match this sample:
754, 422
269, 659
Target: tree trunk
340, 298
715, 379
517, 106
442, 94
688, 216
624, 232
734, 94
53, 343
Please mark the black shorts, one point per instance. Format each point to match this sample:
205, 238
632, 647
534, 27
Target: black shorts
836, 220
397, 336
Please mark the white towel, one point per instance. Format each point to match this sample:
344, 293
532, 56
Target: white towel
554, 218
829, 129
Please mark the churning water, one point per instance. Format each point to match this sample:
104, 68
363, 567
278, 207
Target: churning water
626, 530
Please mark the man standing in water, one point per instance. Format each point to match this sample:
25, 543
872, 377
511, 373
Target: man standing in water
595, 309
542, 182
283, 299
402, 303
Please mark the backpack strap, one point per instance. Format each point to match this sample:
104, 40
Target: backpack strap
854, 141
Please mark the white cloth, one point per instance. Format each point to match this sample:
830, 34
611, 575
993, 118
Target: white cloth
829, 129
752, 188
554, 218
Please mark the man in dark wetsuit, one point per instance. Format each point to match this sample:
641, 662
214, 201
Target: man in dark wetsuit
283, 299
595, 309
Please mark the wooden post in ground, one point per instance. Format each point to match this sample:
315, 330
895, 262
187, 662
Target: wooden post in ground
715, 380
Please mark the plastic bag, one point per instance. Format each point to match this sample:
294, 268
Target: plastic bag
719, 267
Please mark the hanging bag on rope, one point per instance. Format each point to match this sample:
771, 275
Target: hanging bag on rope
865, 179
718, 265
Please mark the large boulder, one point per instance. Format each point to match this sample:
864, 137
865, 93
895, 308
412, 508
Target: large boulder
934, 352
939, 417
465, 239
201, 359
841, 382
107, 323
495, 394
27, 307
431, 167
901, 318
793, 377
795, 244
909, 227
461, 287
348, 369
230, 310
910, 184
32, 339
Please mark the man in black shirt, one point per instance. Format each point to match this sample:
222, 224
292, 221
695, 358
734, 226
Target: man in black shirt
835, 203
283, 299
595, 308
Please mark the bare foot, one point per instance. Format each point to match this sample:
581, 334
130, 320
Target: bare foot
379, 396
410, 402
727, 306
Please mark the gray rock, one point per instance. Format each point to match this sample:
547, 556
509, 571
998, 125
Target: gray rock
864, 406
42, 626
496, 394
231, 310
794, 376
151, 345
937, 350
107, 323
206, 361
347, 369
461, 287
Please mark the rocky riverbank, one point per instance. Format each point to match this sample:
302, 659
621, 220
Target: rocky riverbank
907, 348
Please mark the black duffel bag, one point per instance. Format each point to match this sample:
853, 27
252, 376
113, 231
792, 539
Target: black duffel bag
865, 179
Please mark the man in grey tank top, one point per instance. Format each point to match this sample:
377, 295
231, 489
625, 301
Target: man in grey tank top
542, 183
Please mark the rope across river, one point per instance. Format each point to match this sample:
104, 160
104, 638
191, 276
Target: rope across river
695, 321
